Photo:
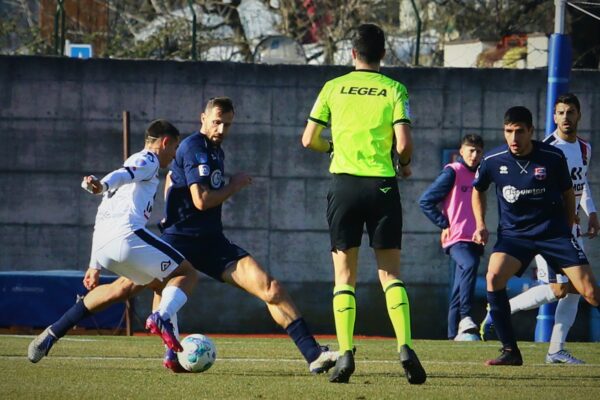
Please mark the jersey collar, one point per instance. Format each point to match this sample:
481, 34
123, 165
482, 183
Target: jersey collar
367, 70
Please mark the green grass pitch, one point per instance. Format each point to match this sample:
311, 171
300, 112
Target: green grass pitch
118, 367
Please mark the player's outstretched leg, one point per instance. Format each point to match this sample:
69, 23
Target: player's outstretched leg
41, 345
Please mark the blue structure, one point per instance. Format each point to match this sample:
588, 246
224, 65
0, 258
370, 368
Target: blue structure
560, 57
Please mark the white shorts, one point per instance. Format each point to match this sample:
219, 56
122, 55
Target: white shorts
140, 256
547, 274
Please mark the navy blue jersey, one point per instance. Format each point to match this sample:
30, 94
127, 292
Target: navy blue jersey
196, 161
529, 190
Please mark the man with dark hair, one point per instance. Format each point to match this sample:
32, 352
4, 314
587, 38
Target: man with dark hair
195, 192
452, 191
536, 206
123, 245
556, 286
369, 111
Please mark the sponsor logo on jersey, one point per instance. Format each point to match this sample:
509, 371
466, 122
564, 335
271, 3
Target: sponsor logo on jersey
140, 162
165, 265
512, 194
385, 189
203, 170
503, 169
539, 173
216, 179
363, 91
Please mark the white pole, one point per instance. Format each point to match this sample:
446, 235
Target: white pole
559, 16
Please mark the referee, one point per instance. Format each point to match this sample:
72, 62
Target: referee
369, 113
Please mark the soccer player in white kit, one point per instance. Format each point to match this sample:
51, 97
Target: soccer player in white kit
555, 286
123, 245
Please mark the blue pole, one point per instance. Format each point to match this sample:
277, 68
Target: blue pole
560, 57
545, 322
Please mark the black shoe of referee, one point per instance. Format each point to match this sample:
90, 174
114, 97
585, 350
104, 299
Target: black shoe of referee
412, 366
344, 367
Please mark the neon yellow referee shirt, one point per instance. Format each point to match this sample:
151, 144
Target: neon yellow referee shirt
363, 107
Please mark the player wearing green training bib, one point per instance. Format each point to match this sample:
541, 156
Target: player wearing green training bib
369, 116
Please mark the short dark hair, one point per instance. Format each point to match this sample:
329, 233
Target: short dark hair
369, 42
518, 114
568, 98
223, 102
472, 139
159, 128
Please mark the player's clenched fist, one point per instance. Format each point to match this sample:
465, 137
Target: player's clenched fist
92, 184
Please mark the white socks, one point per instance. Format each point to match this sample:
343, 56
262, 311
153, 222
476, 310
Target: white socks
532, 298
566, 310
172, 300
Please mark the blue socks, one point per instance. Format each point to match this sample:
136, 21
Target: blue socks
304, 340
70, 319
500, 312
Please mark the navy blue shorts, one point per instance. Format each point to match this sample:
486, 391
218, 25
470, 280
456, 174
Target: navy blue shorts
210, 255
559, 253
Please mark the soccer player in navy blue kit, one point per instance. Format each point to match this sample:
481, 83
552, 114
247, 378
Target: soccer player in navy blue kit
195, 191
536, 207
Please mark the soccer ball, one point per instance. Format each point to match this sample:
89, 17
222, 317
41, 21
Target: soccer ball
199, 353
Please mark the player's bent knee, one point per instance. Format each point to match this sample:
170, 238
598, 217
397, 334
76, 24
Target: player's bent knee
591, 295
184, 269
494, 281
122, 289
274, 292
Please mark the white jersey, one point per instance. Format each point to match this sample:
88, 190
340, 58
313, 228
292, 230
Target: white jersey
578, 156
127, 203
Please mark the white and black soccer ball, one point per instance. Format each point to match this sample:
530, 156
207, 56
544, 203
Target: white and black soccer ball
199, 353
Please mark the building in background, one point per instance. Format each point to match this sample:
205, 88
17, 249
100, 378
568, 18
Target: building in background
513, 51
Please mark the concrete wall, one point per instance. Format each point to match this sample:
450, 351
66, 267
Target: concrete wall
61, 118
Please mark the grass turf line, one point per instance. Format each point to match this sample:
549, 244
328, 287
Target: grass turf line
118, 367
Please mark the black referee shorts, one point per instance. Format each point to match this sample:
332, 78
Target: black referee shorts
356, 201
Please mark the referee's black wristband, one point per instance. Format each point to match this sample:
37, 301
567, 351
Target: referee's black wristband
404, 165
330, 150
